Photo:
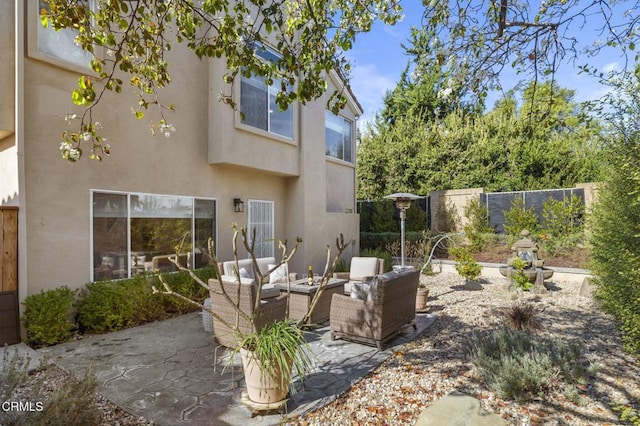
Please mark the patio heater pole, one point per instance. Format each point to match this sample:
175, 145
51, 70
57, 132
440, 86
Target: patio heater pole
403, 202
403, 216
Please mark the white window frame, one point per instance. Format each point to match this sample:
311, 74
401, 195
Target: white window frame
36, 32
268, 54
328, 115
265, 234
128, 218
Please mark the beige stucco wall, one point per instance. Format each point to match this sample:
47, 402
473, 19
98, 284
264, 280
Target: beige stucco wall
443, 203
210, 155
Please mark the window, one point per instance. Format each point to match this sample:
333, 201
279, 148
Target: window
261, 219
258, 101
338, 136
61, 45
135, 233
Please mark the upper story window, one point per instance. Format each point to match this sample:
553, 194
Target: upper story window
61, 45
338, 136
258, 101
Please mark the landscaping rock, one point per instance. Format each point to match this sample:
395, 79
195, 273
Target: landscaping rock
458, 409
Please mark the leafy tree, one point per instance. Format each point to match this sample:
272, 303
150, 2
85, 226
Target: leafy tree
311, 36
546, 142
478, 40
615, 225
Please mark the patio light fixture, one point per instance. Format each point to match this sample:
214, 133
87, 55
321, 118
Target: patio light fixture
403, 202
238, 205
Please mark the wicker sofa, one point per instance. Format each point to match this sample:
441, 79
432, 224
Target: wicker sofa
389, 305
271, 310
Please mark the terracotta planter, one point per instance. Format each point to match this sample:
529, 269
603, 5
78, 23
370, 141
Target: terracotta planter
262, 389
421, 298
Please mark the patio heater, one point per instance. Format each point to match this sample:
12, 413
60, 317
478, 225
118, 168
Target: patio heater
403, 202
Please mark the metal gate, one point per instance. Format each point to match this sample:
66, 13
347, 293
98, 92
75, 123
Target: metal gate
9, 312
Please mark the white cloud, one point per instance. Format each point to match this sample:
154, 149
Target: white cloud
369, 86
610, 67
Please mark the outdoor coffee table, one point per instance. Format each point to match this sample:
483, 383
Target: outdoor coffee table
302, 294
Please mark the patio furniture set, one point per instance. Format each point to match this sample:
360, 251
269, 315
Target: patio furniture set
365, 305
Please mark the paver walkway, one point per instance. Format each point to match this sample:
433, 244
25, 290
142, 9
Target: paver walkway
165, 372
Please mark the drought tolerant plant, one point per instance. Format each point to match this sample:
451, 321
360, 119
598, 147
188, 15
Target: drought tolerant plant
522, 316
477, 226
518, 365
70, 404
562, 223
627, 413
520, 279
46, 316
518, 217
466, 264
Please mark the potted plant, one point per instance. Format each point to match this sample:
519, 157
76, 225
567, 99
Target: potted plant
274, 353
422, 296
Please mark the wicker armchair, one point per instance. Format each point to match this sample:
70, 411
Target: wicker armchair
271, 310
390, 306
361, 269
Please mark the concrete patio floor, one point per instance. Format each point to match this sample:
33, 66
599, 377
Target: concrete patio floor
171, 373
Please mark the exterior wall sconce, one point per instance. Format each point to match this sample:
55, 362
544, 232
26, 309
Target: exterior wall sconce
238, 205
403, 202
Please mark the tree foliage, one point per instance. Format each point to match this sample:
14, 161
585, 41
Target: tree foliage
136, 35
615, 225
547, 142
476, 41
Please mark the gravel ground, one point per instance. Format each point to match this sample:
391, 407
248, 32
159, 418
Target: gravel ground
435, 364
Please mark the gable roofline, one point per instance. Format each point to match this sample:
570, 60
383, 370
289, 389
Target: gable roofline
342, 84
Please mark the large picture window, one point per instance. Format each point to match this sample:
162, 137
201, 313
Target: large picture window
338, 137
136, 233
258, 101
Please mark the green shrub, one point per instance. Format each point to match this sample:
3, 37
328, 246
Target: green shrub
518, 218
615, 252
46, 316
477, 229
519, 277
466, 264
379, 253
182, 283
562, 223
518, 365
627, 413
113, 305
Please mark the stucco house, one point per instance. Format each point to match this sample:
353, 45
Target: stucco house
286, 174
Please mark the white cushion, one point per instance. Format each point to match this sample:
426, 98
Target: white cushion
279, 275
363, 268
360, 291
232, 279
244, 273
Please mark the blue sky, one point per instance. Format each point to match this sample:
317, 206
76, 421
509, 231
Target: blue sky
378, 60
